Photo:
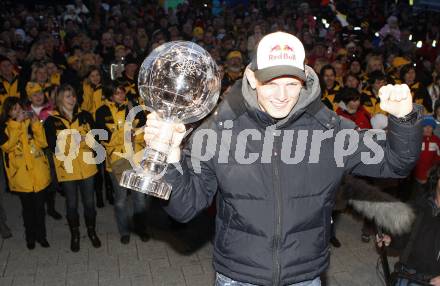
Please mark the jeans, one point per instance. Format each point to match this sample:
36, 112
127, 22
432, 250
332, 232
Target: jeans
33, 215
86, 188
221, 280
121, 211
405, 282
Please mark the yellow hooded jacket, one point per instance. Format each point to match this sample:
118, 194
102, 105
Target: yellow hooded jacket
9, 88
93, 97
111, 117
26, 165
82, 122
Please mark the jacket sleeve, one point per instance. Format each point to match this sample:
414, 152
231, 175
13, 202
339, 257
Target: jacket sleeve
192, 190
401, 151
9, 142
51, 133
141, 120
102, 113
39, 134
86, 103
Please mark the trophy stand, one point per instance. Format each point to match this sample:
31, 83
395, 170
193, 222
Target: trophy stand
147, 178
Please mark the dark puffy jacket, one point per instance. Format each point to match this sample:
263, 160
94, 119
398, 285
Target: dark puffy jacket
273, 217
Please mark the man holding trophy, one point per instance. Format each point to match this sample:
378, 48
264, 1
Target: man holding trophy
274, 211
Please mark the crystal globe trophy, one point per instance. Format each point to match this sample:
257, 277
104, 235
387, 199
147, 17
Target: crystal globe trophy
181, 82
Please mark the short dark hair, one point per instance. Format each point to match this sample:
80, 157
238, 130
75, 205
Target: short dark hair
327, 67
405, 69
376, 75
110, 87
8, 104
348, 94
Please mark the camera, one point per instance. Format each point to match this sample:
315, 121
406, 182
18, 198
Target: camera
116, 69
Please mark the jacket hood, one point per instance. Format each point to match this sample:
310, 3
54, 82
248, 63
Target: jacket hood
310, 92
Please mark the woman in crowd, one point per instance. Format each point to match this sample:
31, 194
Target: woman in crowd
351, 108
22, 140
77, 177
92, 91
40, 105
419, 92
53, 73
352, 81
111, 117
39, 79
93, 98
330, 87
370, 94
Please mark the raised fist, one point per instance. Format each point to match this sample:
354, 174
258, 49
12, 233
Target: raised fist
396, 99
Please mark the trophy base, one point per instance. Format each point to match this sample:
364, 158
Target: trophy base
145, 183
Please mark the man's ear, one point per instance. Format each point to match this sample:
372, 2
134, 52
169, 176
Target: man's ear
250, 75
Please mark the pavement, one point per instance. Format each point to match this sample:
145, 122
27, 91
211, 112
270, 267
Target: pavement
175, 256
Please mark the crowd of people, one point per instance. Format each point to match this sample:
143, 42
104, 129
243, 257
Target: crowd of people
55, 71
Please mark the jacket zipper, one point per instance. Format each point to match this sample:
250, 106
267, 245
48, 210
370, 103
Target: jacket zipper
278, 211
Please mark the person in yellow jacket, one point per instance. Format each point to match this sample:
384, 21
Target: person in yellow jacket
22, 139
129, 79
92, 91
77, 177
370, 94
111, 117
330, 87
9, 80
39, 80
53, 73
93, 98
419, 92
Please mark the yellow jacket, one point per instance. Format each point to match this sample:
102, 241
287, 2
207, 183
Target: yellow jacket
371, 102
111, 117
55, 79
26, 165
329, 97
92, 98
9, 88
131, 91
82, 122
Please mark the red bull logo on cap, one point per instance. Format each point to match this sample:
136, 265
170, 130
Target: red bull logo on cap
281, 52
278, 48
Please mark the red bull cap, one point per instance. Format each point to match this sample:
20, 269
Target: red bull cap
279, 54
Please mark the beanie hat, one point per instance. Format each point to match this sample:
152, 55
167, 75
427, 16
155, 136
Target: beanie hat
33, 88
428, 120
399, 61
234, 54
379, 121
198, 31
279, 54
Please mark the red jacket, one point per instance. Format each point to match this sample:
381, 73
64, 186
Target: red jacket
428, 157
361, 117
